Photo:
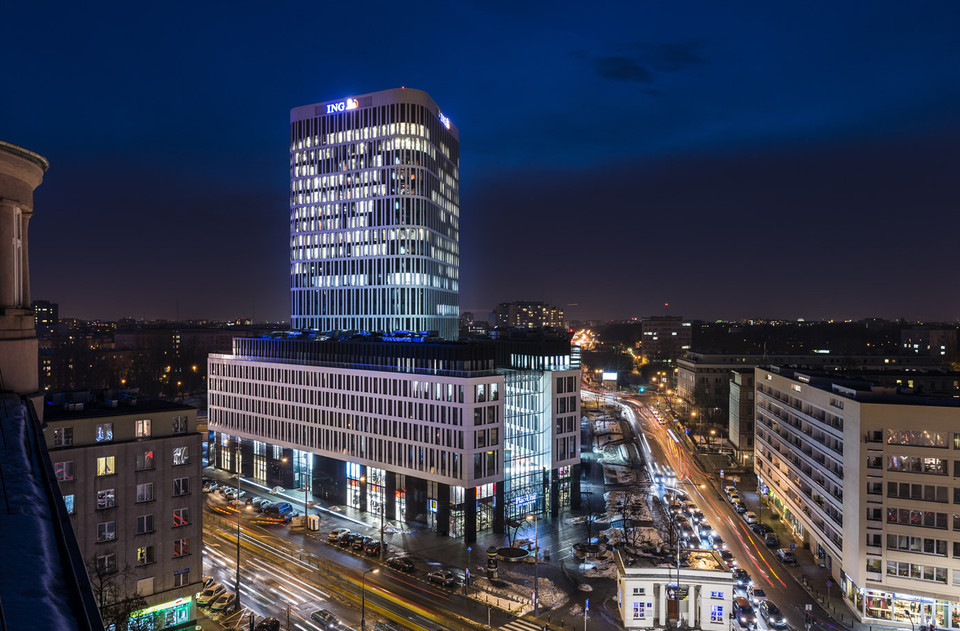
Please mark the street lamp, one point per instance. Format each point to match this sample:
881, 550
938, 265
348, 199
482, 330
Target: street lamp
536, 563
363, 597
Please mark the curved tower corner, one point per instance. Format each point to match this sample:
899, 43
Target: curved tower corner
21, 171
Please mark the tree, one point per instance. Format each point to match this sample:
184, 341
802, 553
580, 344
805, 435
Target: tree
115, 598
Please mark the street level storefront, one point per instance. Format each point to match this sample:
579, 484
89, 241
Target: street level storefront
174, 614
872, 605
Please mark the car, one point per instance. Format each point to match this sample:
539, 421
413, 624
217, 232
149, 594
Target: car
400, 563
442, 577
761, 528
718, 542
345, 539
756, 594
268, 624
750, 517
740, 507
230, 494
729, 489
224, 602
786, 556
741, 578
692, 508
335, 534
372, 548
210, 594
207, 581
326, 619
734, 497
251, 502
771, 540
727, 557
361, 542
697, 517
209, 487
743, 612
772, 614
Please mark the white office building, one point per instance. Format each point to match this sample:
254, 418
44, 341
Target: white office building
374, 215
868, 478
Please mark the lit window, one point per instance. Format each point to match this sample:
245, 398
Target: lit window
106, 499
70, 502
104, 432
145, 555
180, 548
145, 460
179, 424
181, 517
181, 455
105, 465
64, 471
143, 428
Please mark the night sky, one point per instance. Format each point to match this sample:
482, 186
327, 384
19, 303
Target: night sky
763, 159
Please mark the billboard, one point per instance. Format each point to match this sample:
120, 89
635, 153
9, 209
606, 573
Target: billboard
609, 376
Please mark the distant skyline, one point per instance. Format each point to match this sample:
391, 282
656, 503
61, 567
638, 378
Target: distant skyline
734, 160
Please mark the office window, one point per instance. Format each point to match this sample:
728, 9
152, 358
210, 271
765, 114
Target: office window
64, 471
179, 425
106, 465
144, 524
106, 499
181, 517
63, 437
143, 428
181, 486
107, 563
180, 548
104, 432
639, 610
181, 578
145, 460
106, 531
181, 455
145, 492
145, 555
716, 614
70, 502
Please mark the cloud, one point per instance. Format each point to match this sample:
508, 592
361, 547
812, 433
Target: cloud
639, 62
622, 69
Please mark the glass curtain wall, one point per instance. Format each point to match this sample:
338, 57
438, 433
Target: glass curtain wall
526, 444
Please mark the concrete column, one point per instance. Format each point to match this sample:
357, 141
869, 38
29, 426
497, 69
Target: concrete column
662, 604
554, 494
692, 597
499, 513
470, 514
389, 495
443, 509
575, 487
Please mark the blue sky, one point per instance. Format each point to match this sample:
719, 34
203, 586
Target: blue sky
733, 159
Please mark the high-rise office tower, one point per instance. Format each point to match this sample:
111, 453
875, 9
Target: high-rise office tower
374, 215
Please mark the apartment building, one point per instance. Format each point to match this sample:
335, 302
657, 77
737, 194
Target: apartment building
664, 338
869, 478
129, 471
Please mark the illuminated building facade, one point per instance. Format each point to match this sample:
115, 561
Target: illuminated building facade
868, 477
374, 215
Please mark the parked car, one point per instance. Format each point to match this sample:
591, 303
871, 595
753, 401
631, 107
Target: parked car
224, 602
786, 556
734, 497
743, 613
207, 581
756, 594
761, 528
400, 563
268, 624
345, 539
772, 614
772, 540
442, 577
740, 507
718, 542
335, 534
750, 517
692, 508
360, 543
697, 517
727, 557
280, 509
210, 594
372, 548
209, 487
325, 618
729, 489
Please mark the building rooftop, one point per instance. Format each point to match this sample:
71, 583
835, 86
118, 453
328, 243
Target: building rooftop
859, 387
691, 559
59, 406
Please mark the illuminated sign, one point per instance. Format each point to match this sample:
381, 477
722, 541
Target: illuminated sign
444, 121
525, 500
167, 605
609, 376
342, 106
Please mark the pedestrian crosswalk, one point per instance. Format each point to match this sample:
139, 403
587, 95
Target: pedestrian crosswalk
522, 625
